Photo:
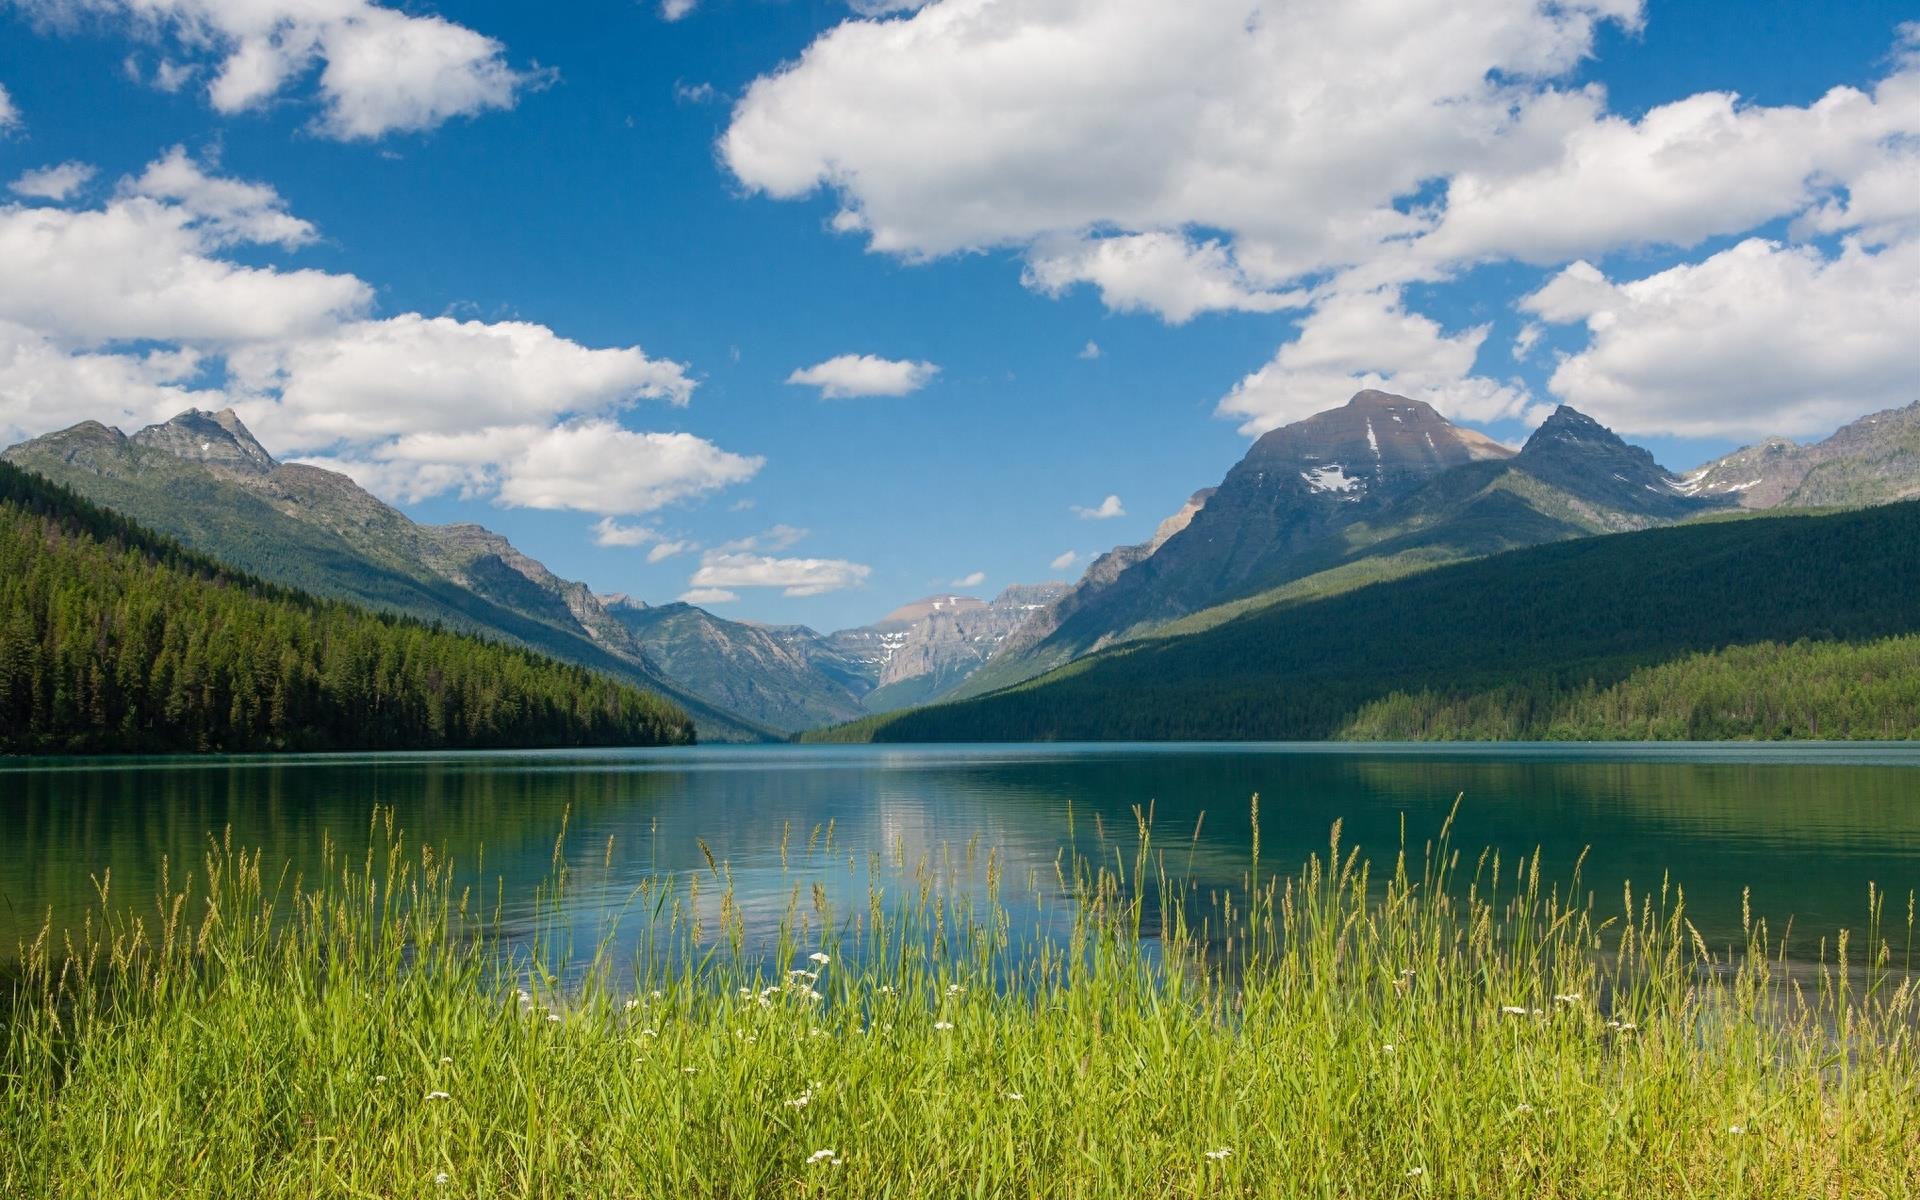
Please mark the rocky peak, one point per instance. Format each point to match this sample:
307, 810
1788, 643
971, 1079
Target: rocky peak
219, 439
1375, 438
1580, 456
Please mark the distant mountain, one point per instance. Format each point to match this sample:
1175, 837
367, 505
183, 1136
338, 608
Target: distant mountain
1874, 460
787, 678
204, 480
1377, 488
1779, 625
923, 650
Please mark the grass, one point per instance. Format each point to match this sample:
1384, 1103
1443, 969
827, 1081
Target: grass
1439, 1027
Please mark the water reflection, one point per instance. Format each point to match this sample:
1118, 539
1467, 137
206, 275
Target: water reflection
1805, 828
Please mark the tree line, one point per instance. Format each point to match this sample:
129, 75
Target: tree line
116, 639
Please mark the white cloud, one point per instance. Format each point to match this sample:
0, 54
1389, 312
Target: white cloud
1527, 339
775, 538
696, 93
970, 579
673, 10
231, 210
1702, 166
708, 596
1106, 510
850, 375
1370, 340
1263, 119
55, 183
144, 269
381, 70
1162, 273
123, 312
1760, 338
795, 576
1065, 561
412, 375
44, 385
1090, 351
609, 532
591, 466
1222, 154
9, 112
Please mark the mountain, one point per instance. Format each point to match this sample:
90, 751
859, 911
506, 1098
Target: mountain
925, 649
114, 639
202, 479
1380, 487
787, 678
1778, 625
1874, 460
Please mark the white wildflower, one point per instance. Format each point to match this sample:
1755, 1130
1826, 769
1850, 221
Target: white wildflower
553, 1017
630, 1005
438, 1096
1015, 1096
446, 1061
823, 1156
379, 1078
954, 989
943, 1025
689, 1070
886, 989
1736, 1129
1523, 1108
1388, 1047
1220, 1155
1513, 1010
1416, 1172
801, 1101
818, 957
1567, 998
441, 1179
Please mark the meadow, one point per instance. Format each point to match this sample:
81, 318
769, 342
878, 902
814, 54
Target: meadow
1435, 1023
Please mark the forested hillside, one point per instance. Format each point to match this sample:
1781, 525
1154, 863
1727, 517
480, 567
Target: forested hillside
113, 638
1653, 634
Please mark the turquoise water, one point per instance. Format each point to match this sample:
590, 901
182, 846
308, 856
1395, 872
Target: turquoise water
1807, 828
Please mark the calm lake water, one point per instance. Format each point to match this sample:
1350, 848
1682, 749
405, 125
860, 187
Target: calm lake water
1806, 827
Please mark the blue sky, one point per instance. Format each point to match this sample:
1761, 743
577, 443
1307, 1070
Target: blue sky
572, 175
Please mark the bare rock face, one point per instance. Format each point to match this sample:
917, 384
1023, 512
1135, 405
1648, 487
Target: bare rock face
1874, 460
923, 650
216, 438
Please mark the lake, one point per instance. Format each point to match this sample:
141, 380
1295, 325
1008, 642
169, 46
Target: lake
1806, 827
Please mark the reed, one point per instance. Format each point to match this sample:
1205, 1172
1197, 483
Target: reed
1435, 1025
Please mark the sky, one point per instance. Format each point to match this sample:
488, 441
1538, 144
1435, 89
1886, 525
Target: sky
800, 310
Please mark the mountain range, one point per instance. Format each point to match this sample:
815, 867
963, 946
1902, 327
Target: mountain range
203, 479
1379, 488
1385, 486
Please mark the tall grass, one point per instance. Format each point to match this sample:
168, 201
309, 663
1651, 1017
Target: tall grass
1441, 1027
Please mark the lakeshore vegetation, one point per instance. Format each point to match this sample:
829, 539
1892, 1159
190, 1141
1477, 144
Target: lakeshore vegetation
1782, 626
1438, 1025
115, 639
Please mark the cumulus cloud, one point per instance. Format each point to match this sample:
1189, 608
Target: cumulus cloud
9, 112
380, 70
144, 269
794, 576
1162, 273
708, 596
56, 183
229, 210
1370, 340
673, 10
1106, 510
1065, 561
1142, 117
1236, 155
850, 375
609, 532
1760, 338
412, 374
970, 579
127, 311
1090, 351
775, 538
